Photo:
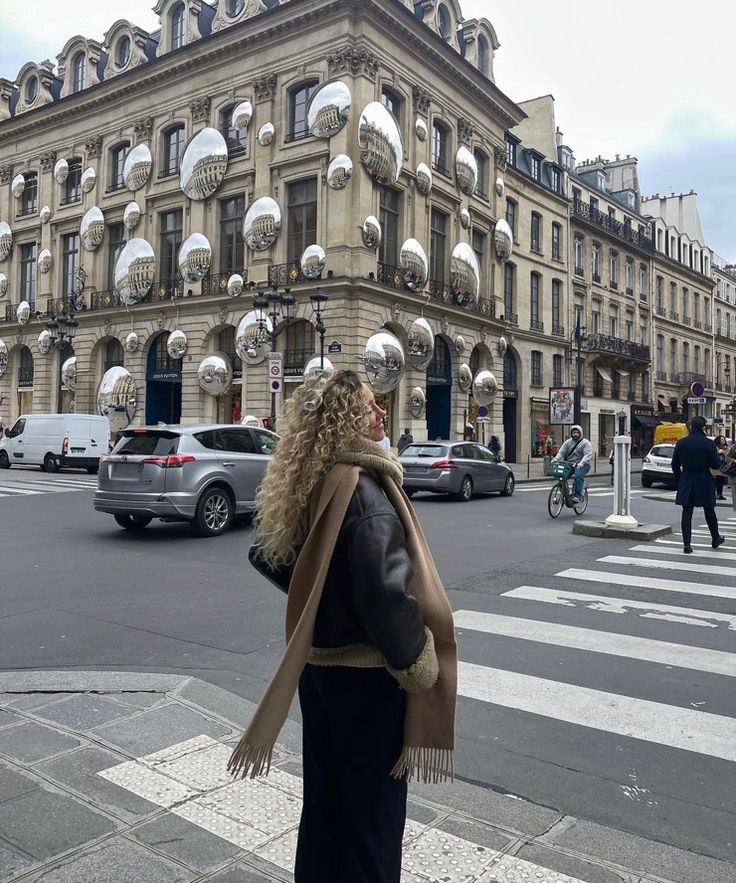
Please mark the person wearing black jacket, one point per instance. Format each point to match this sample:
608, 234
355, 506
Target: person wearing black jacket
693, 458
405, 440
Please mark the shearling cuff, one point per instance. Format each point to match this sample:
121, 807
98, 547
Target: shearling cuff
423, 674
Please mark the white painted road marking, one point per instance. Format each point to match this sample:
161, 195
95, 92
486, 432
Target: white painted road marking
685, 566
713, 555
649, 582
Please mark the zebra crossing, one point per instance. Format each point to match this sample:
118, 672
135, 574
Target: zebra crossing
30, 484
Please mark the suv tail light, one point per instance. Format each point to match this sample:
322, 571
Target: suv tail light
173, 461
443, 464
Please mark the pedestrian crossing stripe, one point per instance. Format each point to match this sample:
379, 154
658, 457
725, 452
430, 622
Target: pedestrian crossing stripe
687, 566
721, 555
611, 643
33, 488
648, 582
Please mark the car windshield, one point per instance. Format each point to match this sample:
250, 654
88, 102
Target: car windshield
147, 442
663, 451
424, 451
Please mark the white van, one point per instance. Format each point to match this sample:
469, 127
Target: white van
55, 440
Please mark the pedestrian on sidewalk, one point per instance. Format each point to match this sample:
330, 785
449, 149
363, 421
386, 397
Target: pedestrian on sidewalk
405, 440
722, 448
693, 458
370, 638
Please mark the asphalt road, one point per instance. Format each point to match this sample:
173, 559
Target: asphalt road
602, 688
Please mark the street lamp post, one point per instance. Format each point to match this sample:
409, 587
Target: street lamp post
319, 299
732, 414
578, 336
63, 327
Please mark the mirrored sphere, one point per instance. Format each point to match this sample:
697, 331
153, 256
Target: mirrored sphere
464, 274
464, 218
262, 224
92, 228
340, 171
203, 164
251, 338
23, 312
45, 214
417, 401
131, 215
44, 260
381, 150
135, 270
485, 387
6, 240
215, 374
466, 169
131, 342
414, 264
195, 256
420, 128
3, 284
503, 239
383, 361
500, 187
329, 109
317, 366
235, 285
89, 177
502, 345
265, 134
312, 262
61, 171
69, 373
242, 115
424, 178
464, 377
177, 344
18, 185
44, 342
371, 232
3, 357
137, 167
117, 398
421, 343
459, 344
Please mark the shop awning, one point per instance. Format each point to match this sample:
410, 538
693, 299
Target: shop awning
663, 401
622, 373
605, 374
646, 420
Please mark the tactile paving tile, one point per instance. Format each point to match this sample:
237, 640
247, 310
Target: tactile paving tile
515, 870
147, 783
202, 770
285, 781
256, 803
233, 831
281, 851
179, 750
440, 856
412, 830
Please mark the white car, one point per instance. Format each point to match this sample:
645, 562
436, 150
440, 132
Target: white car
657, 466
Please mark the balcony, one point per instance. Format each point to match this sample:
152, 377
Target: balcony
105, 300
163, 290
697, 323
673, 315
216, 283
662, 375
686, 320
643, 297
10, 312
393, 277
441, 169
604, 343
660, 311
629, 291
558, 330
536, 325
686, 378
596, 277
579, 271
71, 198
481, 194
28, 210
284, 275
613, 285
583, 210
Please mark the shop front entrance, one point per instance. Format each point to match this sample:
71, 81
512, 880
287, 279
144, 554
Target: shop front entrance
510, 400
439, 391
163, 384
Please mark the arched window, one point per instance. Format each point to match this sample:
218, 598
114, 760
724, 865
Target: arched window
25, 367
78, 69
299, 98
31, 89
122, 51
481, 186
440, 147
234, 7
483, 55
173, 148
177, 26
114, 354
444, 23
509, 370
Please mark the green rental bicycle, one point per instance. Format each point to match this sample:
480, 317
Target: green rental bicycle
561, 491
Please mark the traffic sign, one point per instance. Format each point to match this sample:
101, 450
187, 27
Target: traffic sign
696, 400
697, 389
482, 419
482, 411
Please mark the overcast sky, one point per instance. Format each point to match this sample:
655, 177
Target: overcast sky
651, 78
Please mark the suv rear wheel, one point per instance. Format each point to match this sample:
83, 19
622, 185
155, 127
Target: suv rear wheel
466, 489
646, 481
133, 522
214, 513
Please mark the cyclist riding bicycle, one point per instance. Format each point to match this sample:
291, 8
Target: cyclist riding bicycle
577, 451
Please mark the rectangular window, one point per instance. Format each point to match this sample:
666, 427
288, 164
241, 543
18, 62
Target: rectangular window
69, 262
115, 244
301, 217
508, 292
236, 139
511, 216
479, 247
557, 370
28, 271
232, 250
73, 184
171, 239
299, 102
511, 153
596, 317
29, 198
557, 242
556, 307
535, 167
440, 140
613, 270
536, 234
173, 149
536, 378
613, 324
117, 163
629, 329
596, 263
555, 180
579, 270
438, 238
388, 215
534, 300
629, 277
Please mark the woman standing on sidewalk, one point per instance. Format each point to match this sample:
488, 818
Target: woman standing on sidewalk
722, 448
370, 638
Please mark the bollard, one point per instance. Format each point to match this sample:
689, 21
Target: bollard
621, 516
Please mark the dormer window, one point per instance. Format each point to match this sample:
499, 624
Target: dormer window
443, 23
78, 69
534, 167
31, 90
122, 52
234, 7
483, 54
601, 180
177, 27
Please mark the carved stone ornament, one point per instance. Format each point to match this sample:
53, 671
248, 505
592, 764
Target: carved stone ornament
222, 314
483, 334
161, 320
200, 109
396, 312
444, 324
265, 87
93, 146
107, 324
422, 100
224, 19
499, 154
465, 131
47, 160
355, 60
5, 173
143, 129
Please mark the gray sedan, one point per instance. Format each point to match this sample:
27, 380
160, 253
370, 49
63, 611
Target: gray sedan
457, 468
205, 475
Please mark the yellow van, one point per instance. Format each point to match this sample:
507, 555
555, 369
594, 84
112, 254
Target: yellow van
669, 433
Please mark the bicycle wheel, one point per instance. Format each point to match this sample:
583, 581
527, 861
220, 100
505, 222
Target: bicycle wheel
580, 507
554, 501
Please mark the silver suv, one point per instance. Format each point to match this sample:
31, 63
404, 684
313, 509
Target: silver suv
202, 474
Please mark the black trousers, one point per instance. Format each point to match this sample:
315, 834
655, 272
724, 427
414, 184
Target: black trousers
686, 523
354, 812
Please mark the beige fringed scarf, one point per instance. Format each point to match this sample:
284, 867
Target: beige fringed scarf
429, 728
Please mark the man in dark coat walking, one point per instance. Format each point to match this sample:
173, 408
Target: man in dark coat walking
694, 457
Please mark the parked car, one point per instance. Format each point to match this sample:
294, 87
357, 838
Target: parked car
206, 475
458, 468
657, 466
52, 441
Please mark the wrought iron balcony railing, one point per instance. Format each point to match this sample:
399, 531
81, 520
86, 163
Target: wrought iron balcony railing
688, 377
558, 330
661, 375
393, 277
25, 375
629, 291
643, 297
283, 275
105, 300
616, 345
579, 271
536, 325
660, 311
216, 283
674, 315
583, 210
163, 290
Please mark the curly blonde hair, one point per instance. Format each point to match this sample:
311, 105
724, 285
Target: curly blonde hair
322, 417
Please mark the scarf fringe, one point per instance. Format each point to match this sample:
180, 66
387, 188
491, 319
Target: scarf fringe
250, 761
431, 765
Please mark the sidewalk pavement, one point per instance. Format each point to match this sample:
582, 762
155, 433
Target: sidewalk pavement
119, 777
